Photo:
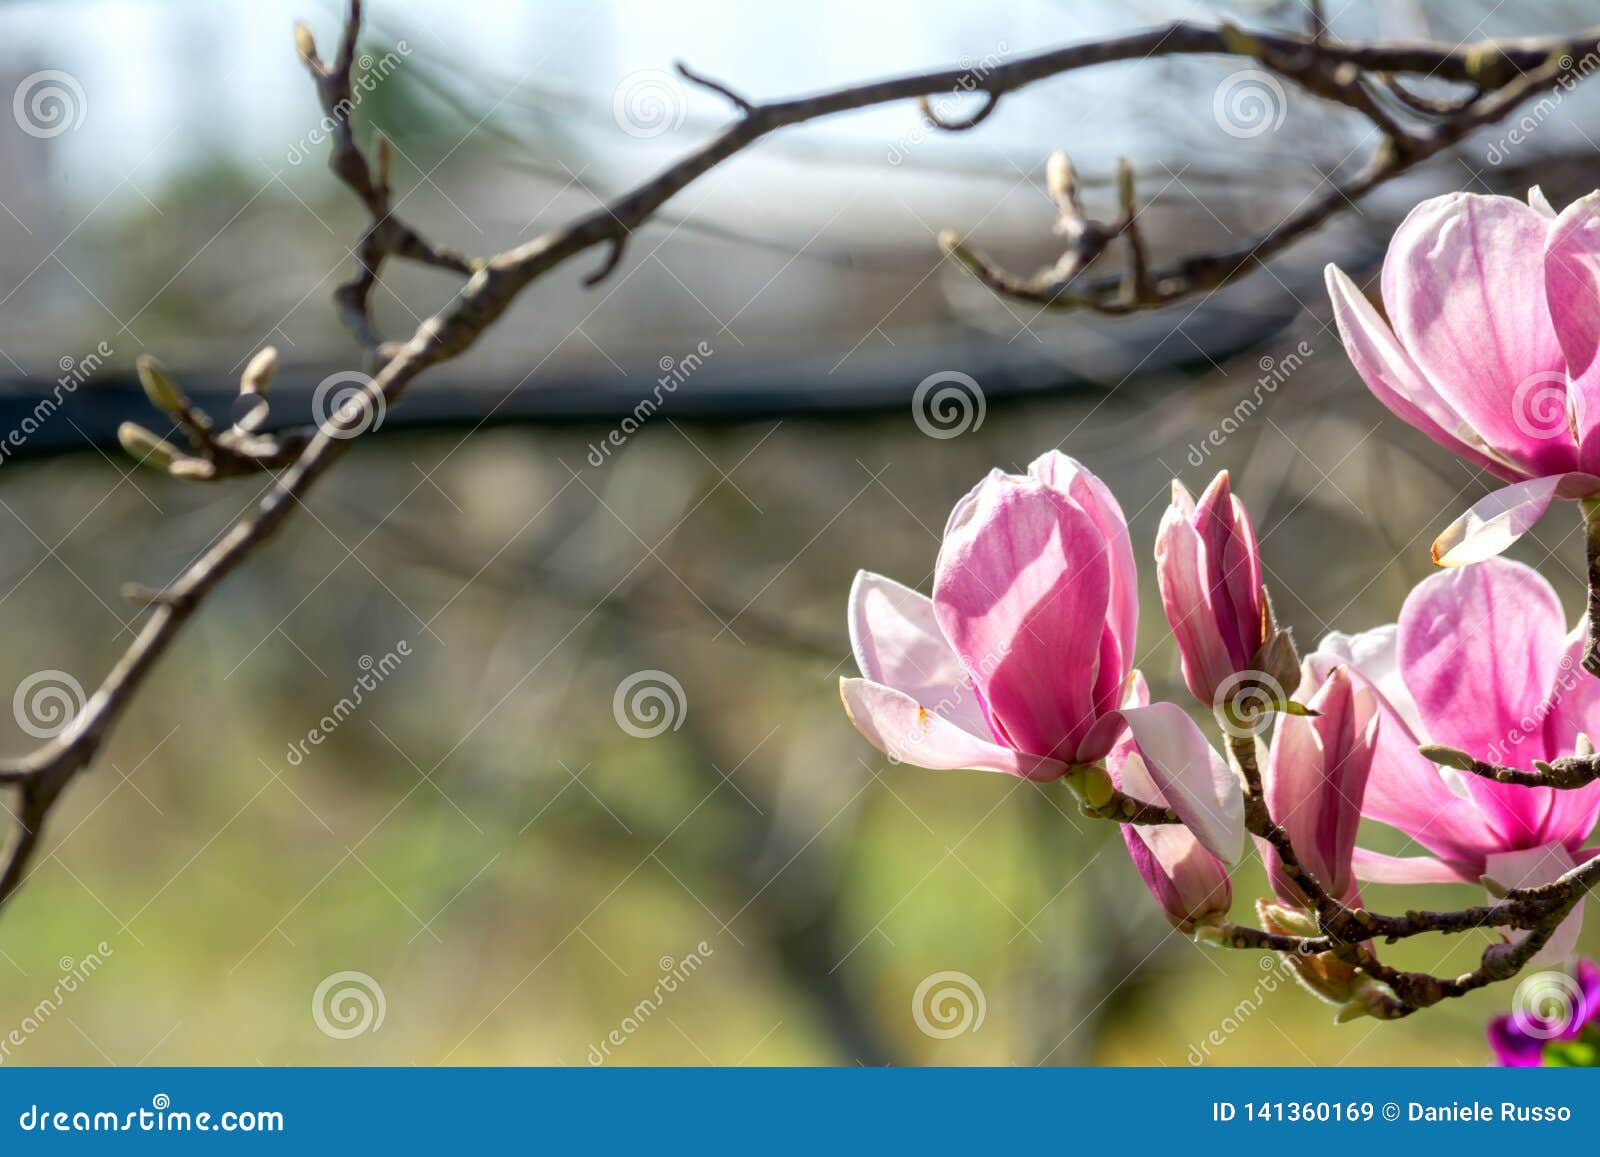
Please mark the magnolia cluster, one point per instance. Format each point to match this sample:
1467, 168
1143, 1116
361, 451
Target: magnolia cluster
1022, 661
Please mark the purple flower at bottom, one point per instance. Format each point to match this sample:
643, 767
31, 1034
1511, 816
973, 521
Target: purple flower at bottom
1550, 1008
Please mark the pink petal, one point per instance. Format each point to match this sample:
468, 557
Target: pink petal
1187, 881
1539, 203
1528, 869
1574, 700
1410, 793
1572, 815
1572, 289
1138, 691
1479, 648
1395, 380
1193, 779
1292, 779
1072, 478
1316, 777
1464, 286
1232, 575
902, 729
1377, 868
1241, 565
1404, 790
1021, 590
1185, 599
961, 512
1374, 654
897, 642
1110, 684
1495, 522
1514, 1047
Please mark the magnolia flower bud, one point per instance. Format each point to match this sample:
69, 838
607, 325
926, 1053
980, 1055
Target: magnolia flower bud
1324, 974
159, 387
258, 375
1059, 177
1209, 572
1447, 756
149, 448
1125, 188
1316, 779
304, 43
1369, 997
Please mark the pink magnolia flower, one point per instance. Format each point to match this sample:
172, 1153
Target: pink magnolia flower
1561, 1010
1209, 571
1020, 661
1494, 350
1189, 883
1477, 662
1315, 780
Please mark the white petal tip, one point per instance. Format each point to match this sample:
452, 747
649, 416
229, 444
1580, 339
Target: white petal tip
1494, 523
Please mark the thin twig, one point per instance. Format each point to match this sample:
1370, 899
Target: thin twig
715, 86
1322, 68
1507, 72
991, 102
1591, 538
1565, 774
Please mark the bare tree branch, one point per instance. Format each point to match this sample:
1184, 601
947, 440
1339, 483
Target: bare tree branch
1343, 74
1502, 74
1573, 771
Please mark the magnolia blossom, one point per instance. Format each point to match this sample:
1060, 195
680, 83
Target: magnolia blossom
1481, 661
1560, 1009
1316, 779
1492, 349
1020, 661
1209, 571
1189, 883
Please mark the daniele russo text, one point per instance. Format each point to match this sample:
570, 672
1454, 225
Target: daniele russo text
1484, 1112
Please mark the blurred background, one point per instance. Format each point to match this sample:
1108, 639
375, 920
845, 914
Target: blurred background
591, 781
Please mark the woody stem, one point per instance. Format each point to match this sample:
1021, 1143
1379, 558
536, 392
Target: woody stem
1591, 537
